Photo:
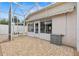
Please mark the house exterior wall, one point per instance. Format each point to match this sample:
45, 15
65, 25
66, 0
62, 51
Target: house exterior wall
70, 37
65, 24
62, 24
59, 24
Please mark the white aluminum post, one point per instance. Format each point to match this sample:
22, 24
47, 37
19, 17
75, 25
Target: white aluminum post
77, 41
24, 26
10, 22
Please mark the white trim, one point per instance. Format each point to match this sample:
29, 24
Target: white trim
77, 26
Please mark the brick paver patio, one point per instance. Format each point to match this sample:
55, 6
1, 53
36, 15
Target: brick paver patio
24, 46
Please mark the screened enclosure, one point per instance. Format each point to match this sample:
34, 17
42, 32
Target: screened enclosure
12, 18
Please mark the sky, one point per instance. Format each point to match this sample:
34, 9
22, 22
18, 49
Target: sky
21, 9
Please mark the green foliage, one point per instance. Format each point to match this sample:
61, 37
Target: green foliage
4, 21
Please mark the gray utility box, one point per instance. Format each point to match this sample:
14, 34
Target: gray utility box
56, 39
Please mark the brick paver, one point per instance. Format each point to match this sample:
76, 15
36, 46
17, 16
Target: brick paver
25, 46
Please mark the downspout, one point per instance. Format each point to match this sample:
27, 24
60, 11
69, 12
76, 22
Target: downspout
66, 25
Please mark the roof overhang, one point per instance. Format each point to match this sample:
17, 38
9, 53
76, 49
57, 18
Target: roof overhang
52, 10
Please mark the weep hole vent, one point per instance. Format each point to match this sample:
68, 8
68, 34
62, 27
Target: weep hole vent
56, 39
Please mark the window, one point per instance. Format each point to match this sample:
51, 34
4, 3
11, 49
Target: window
46, 27
30, 27
42, 27
36, 28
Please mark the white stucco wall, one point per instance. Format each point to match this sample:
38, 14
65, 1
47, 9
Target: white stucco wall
59, 24
4, 29
40, 35
65, 24
70, 38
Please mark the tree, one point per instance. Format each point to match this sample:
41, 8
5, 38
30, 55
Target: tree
4, 21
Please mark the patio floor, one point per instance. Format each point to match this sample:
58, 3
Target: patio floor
29, 46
